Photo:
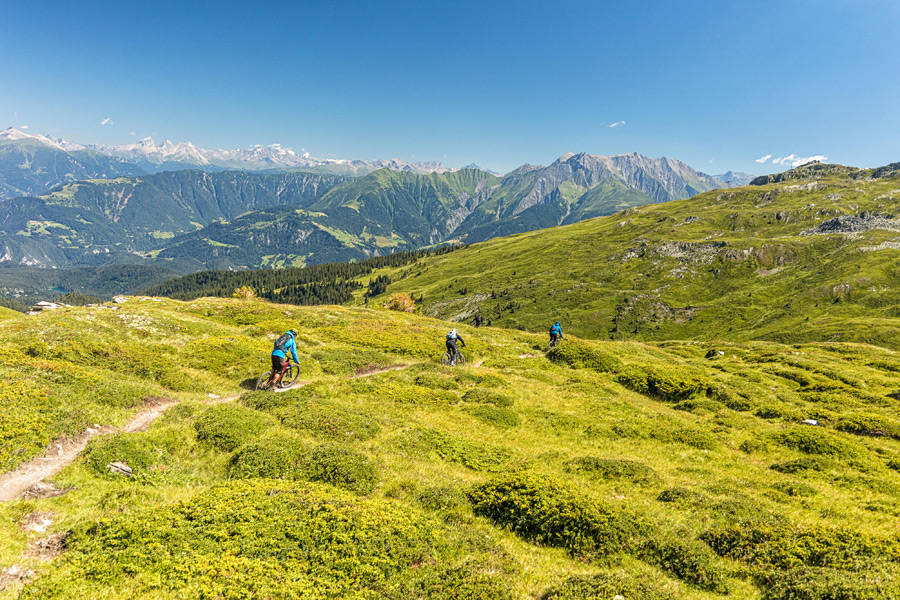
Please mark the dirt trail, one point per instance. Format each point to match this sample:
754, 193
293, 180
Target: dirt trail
369, 371
65, 450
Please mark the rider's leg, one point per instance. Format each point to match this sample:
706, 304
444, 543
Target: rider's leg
452, 351
278, 369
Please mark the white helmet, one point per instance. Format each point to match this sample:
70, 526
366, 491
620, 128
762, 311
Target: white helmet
453, 333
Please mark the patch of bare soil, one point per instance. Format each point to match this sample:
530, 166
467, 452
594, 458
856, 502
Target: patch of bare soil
375, 369
47, 548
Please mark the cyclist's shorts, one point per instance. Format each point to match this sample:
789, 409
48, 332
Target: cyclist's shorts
279, 363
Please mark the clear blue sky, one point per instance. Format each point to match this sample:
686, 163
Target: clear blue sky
717, 83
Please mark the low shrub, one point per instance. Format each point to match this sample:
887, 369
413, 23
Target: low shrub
500, 417
868, 424
404, 393
816, 583
400, 302
688, 560
794, 488
430, 380
607, 586
343, 467
277, 455
135, 450
580, 355
699, 405
253, 539
678, 495
754, 445
469, 581
612, 468
327, 419
421, 443
482, 396
695, 438
543, 511
780, 546
227, 426
445, 499
669, 384
340, 361
893, 463
814, 440
801, 465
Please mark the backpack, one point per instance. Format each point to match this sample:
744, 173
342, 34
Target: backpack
282, 342
450, 336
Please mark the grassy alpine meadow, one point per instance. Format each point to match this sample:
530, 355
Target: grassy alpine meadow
812, 256
602, 469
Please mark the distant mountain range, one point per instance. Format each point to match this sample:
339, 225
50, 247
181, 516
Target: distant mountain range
32, 164
190, 220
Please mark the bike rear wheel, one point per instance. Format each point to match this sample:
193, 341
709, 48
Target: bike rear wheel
263, 379
290, 376
445, 359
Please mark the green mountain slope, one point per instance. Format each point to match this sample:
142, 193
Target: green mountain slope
812, 257
189, 220
654, 471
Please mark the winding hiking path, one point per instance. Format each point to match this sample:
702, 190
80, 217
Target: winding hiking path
64, 451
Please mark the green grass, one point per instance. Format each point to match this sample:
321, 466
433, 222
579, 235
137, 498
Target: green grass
725, 264
660, 474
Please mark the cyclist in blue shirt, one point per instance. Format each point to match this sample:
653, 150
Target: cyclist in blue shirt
555, 334
283, 345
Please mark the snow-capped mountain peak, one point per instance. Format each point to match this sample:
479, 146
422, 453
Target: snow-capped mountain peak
11, 134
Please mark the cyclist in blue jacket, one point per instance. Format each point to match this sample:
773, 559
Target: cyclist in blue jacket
555, 334
283, 345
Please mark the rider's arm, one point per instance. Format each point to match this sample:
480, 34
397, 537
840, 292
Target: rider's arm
293, 347
461, 341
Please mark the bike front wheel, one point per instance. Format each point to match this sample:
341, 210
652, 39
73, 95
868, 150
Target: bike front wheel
460, 360
263, 380
445, 359
290, 376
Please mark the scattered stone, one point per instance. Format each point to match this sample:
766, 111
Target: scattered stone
13, 574
37, 522
214, 396
809, 422
43, 489
119, 468
49, 547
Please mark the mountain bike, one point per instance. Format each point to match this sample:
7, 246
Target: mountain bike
447, 360
290, 373
553, 344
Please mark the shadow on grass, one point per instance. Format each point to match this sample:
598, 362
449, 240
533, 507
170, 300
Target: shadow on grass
249, 384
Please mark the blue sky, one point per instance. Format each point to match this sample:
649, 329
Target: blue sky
718, 84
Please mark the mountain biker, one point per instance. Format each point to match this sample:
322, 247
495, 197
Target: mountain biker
283, 345
452, 338
555, 333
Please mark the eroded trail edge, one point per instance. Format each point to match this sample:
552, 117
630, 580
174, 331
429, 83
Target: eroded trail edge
63, 451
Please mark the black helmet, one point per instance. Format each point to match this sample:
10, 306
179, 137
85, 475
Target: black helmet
292, 332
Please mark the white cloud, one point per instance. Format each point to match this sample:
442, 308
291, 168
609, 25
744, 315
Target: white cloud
797, 161
763, 159
23, 127
131, 133
106, 121
617, 124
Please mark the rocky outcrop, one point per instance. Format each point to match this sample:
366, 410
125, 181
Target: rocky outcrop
846, 224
